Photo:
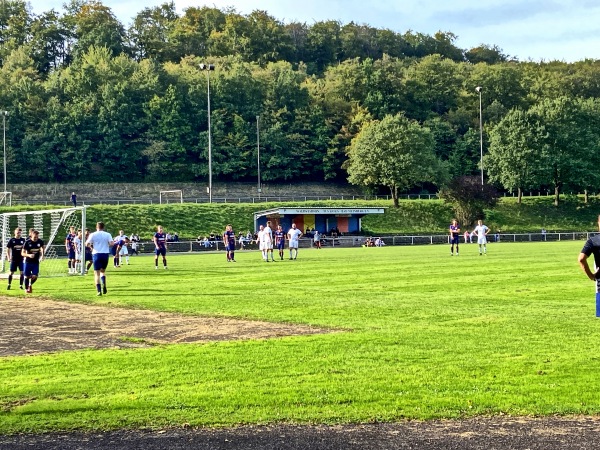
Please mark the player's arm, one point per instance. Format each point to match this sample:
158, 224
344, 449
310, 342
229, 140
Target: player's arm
42, 253
583, 263
25, 254
9, 253
155, 239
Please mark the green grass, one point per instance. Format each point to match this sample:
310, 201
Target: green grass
419, 335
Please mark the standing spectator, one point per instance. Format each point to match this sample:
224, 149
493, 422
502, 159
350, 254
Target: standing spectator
317, 239
101, 242
134, 244
74, 199
466, 236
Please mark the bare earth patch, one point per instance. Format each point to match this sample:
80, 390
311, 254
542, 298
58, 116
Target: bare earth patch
34, 325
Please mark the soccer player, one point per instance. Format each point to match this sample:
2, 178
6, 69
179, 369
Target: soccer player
294, 239
116, 248
160, 247
33, 254
77, 243
454, 236
268, 240
260, 242
280, 240
481, 232
14, 256
123, 250
229, 242
592, 246
70, 248
100, 241
88, 252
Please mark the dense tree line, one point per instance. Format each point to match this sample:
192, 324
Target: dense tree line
91, 99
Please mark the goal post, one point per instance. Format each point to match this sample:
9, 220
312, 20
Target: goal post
53, 226
6, 198
176, 196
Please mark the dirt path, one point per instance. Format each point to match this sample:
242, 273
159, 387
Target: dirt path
34, 325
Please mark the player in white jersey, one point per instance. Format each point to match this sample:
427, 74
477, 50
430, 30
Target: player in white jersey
268, 241
259, 241
123, 252
481, 232
100, 241
294, 239
78, 244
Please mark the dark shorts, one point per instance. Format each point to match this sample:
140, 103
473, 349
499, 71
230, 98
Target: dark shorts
230, 247
100, 261
71, 254
16, 265
160, 251
31, 269
280, 245
113, 251
88, 256
454, 240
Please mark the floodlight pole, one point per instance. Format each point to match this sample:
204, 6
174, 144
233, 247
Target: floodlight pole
4, 114
479, 89
208, 68
258, 152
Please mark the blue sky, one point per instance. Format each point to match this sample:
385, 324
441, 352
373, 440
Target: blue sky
567, 30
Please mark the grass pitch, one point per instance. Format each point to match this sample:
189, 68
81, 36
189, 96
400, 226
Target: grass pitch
421, 335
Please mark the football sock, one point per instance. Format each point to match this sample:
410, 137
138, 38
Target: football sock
98, 288
9, 279
33, 280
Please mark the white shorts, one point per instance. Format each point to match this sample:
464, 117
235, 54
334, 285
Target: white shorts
482, 240
123, 251
293, 244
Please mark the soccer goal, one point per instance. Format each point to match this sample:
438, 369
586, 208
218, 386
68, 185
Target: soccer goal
175, 196
6, 198
53, 226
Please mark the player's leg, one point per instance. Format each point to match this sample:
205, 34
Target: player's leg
21, 275
10, 277
164, 257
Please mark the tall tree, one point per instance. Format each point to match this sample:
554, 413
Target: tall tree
513, 159
395, 152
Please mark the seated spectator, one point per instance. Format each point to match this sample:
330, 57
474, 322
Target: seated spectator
175, 237
379, 242
207, 243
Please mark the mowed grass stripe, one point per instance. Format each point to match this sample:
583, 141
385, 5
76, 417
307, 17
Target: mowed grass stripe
425, 336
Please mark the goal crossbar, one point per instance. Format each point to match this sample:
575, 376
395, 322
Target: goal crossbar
177, 192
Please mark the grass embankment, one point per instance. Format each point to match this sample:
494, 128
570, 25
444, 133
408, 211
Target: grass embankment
510, 333
412, 217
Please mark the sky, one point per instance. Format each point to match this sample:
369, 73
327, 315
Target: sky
537, 30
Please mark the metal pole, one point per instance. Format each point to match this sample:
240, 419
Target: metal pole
4, 113
209, 142
258, 152
478, 89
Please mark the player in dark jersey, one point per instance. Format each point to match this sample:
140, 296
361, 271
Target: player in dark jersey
14, 256
280, 240
118, 244
454, 236
591, 247
33, 254
160, 247
70, 248
229, 242
88, 258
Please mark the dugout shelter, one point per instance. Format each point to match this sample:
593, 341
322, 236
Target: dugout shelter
345, 220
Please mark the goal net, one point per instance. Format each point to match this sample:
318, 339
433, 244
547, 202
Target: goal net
175, 196
53, 226
6, 198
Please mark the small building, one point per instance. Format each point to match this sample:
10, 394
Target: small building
324, 220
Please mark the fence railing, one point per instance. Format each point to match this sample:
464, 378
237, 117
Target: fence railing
147, 247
